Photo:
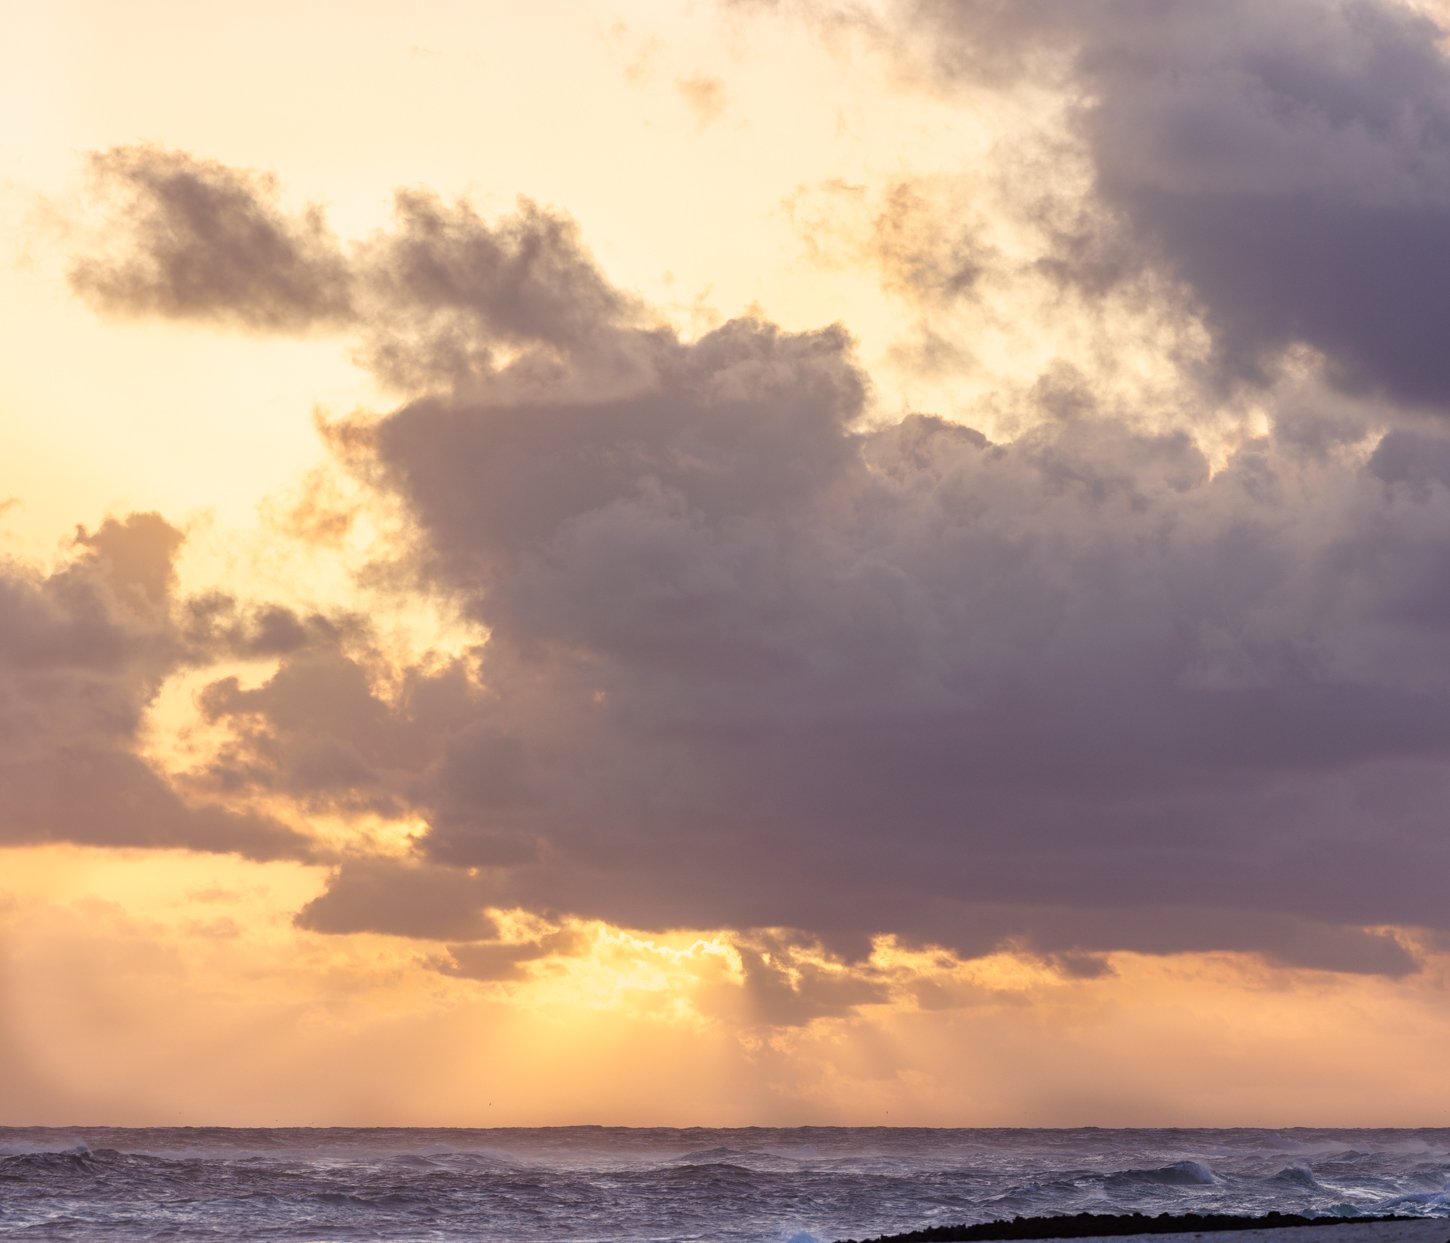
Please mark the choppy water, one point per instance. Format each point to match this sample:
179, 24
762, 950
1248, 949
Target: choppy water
726, 1186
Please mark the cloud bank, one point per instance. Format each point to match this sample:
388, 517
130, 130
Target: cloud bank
756, 659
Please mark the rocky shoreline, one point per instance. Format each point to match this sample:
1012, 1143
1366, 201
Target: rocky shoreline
1104, 1225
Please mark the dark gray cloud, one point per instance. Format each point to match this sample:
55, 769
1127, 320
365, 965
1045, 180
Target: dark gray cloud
753, 663
217, 622
317, 731
446, 289
83, 650
783, 988
751, 667
432, 301
506, 960
1289, 162
400, 898
199, 240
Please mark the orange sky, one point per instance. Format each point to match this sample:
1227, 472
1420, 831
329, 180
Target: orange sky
190, 933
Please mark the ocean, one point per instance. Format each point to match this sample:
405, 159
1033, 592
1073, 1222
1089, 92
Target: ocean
751, 1185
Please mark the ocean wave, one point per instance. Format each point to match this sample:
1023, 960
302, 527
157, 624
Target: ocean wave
1179, 1174
1424, 1204
31, 1164
77, 1148
756, 1185
744, 1157
1297, 1176
78, 1158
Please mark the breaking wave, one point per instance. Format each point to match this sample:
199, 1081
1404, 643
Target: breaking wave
1179, 1174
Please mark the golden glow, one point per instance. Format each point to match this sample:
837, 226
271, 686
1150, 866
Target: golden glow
163, 988
175, 988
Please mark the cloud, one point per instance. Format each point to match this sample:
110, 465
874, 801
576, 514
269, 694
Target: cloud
83, 650
442, 298
318, 732
402, 899
505, 960
209, 242
704, 96
448, 289
786, 990
1288, 163
755, 661
916, 232
750, 666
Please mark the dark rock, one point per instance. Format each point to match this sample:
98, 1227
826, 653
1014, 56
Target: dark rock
1097, 1225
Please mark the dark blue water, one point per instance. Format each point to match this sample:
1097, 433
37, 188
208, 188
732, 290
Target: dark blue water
603, 1183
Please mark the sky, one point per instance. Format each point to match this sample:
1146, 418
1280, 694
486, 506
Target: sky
725, 562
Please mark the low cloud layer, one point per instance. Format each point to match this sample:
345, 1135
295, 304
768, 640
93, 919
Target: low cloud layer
756, 661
